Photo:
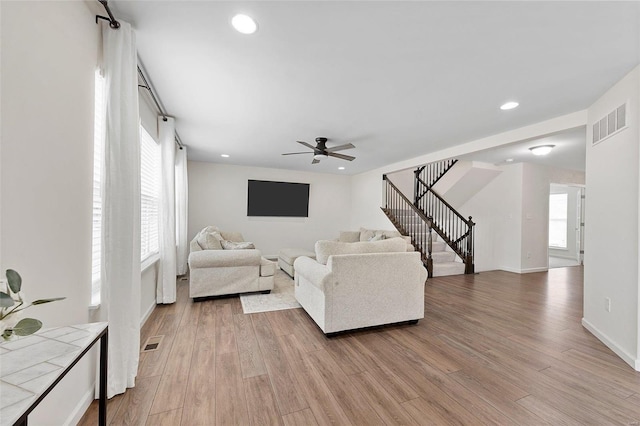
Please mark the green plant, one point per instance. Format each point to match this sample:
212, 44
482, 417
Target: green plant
11, 304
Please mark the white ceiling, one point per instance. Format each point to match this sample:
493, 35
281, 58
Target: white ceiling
397, 79
569, 152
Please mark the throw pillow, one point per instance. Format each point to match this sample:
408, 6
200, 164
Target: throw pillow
349, 236
208, 241
233, 245
366, 234
378, 236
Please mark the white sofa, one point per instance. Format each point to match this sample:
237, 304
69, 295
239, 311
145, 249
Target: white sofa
364, 234
215, 271
361, 284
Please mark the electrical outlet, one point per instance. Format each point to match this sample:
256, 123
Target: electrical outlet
607, 304
528, 255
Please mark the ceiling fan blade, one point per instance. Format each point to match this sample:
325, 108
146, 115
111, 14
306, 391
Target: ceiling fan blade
294, 153
340, 147
315, 161
306, 144
341, 156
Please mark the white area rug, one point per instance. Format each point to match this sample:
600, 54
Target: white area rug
281, 297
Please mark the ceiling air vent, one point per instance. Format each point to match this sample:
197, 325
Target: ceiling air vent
610, 124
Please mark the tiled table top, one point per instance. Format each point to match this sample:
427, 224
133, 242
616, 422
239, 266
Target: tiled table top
30, 364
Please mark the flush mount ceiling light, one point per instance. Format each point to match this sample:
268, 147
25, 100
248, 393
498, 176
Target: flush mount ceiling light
224, 155
244, 24
541, 150
509, 105
340, 168
509, 160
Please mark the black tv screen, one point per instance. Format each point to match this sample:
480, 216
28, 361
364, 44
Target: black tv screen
287, 199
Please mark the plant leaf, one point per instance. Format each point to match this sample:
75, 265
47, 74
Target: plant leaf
42, 301
15, 280
6, 300
27, 326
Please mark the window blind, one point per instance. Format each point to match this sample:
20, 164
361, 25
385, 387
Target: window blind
149, 194
98, 153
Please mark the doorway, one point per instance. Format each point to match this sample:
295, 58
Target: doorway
566, 225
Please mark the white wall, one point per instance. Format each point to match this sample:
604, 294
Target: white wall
497, 211
611, 227
49, 54
218, 196
366, 200
404, 181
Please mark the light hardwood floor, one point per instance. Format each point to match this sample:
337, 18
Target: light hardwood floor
494, 348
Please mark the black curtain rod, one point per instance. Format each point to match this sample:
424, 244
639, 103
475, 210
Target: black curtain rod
113, 23
147, 86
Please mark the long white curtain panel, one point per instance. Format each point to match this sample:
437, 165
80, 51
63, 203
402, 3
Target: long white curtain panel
120, 257
182, 202
166, 287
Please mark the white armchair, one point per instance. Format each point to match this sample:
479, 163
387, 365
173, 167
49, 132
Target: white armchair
377, 283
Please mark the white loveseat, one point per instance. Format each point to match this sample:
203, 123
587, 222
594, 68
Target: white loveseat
215, 271
361, 284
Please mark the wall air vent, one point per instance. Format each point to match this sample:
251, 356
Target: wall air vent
610, 124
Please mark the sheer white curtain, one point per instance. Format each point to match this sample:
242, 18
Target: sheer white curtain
120, 275
166, 286
182, 201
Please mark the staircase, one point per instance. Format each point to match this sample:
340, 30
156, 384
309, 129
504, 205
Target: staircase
441, 234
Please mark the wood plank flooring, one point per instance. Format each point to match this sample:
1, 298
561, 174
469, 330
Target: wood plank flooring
493, 348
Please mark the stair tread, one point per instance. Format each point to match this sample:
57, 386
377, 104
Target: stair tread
448, 268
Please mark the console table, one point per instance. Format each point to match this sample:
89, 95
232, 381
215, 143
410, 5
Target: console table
31, 366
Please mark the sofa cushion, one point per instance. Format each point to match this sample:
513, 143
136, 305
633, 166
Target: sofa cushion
208, 241
349, 236
267, 267
236, 245
377, 234
325, 248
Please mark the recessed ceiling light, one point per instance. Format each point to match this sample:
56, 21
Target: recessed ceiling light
244, 24
541, 150
224, 155
340, 168
509, 160
509, 105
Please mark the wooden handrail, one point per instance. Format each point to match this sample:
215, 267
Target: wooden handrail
409, 203
469, 222
446, 221
395, 204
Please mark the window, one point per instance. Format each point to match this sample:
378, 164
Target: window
149, 194
149, 190
558, 220
98, 152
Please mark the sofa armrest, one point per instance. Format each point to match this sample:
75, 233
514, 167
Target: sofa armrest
313, 272
218, 258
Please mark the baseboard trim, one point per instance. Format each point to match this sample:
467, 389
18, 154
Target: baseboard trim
523, 271
626, 357
147, 314
82, 406
530, 270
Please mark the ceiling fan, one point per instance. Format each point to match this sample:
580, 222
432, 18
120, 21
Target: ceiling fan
320, 150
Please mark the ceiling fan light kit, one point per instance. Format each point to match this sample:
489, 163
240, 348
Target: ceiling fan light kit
320, 151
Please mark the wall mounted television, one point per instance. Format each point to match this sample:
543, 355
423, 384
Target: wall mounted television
282, 199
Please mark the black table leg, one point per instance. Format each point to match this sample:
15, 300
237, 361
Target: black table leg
102, 404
